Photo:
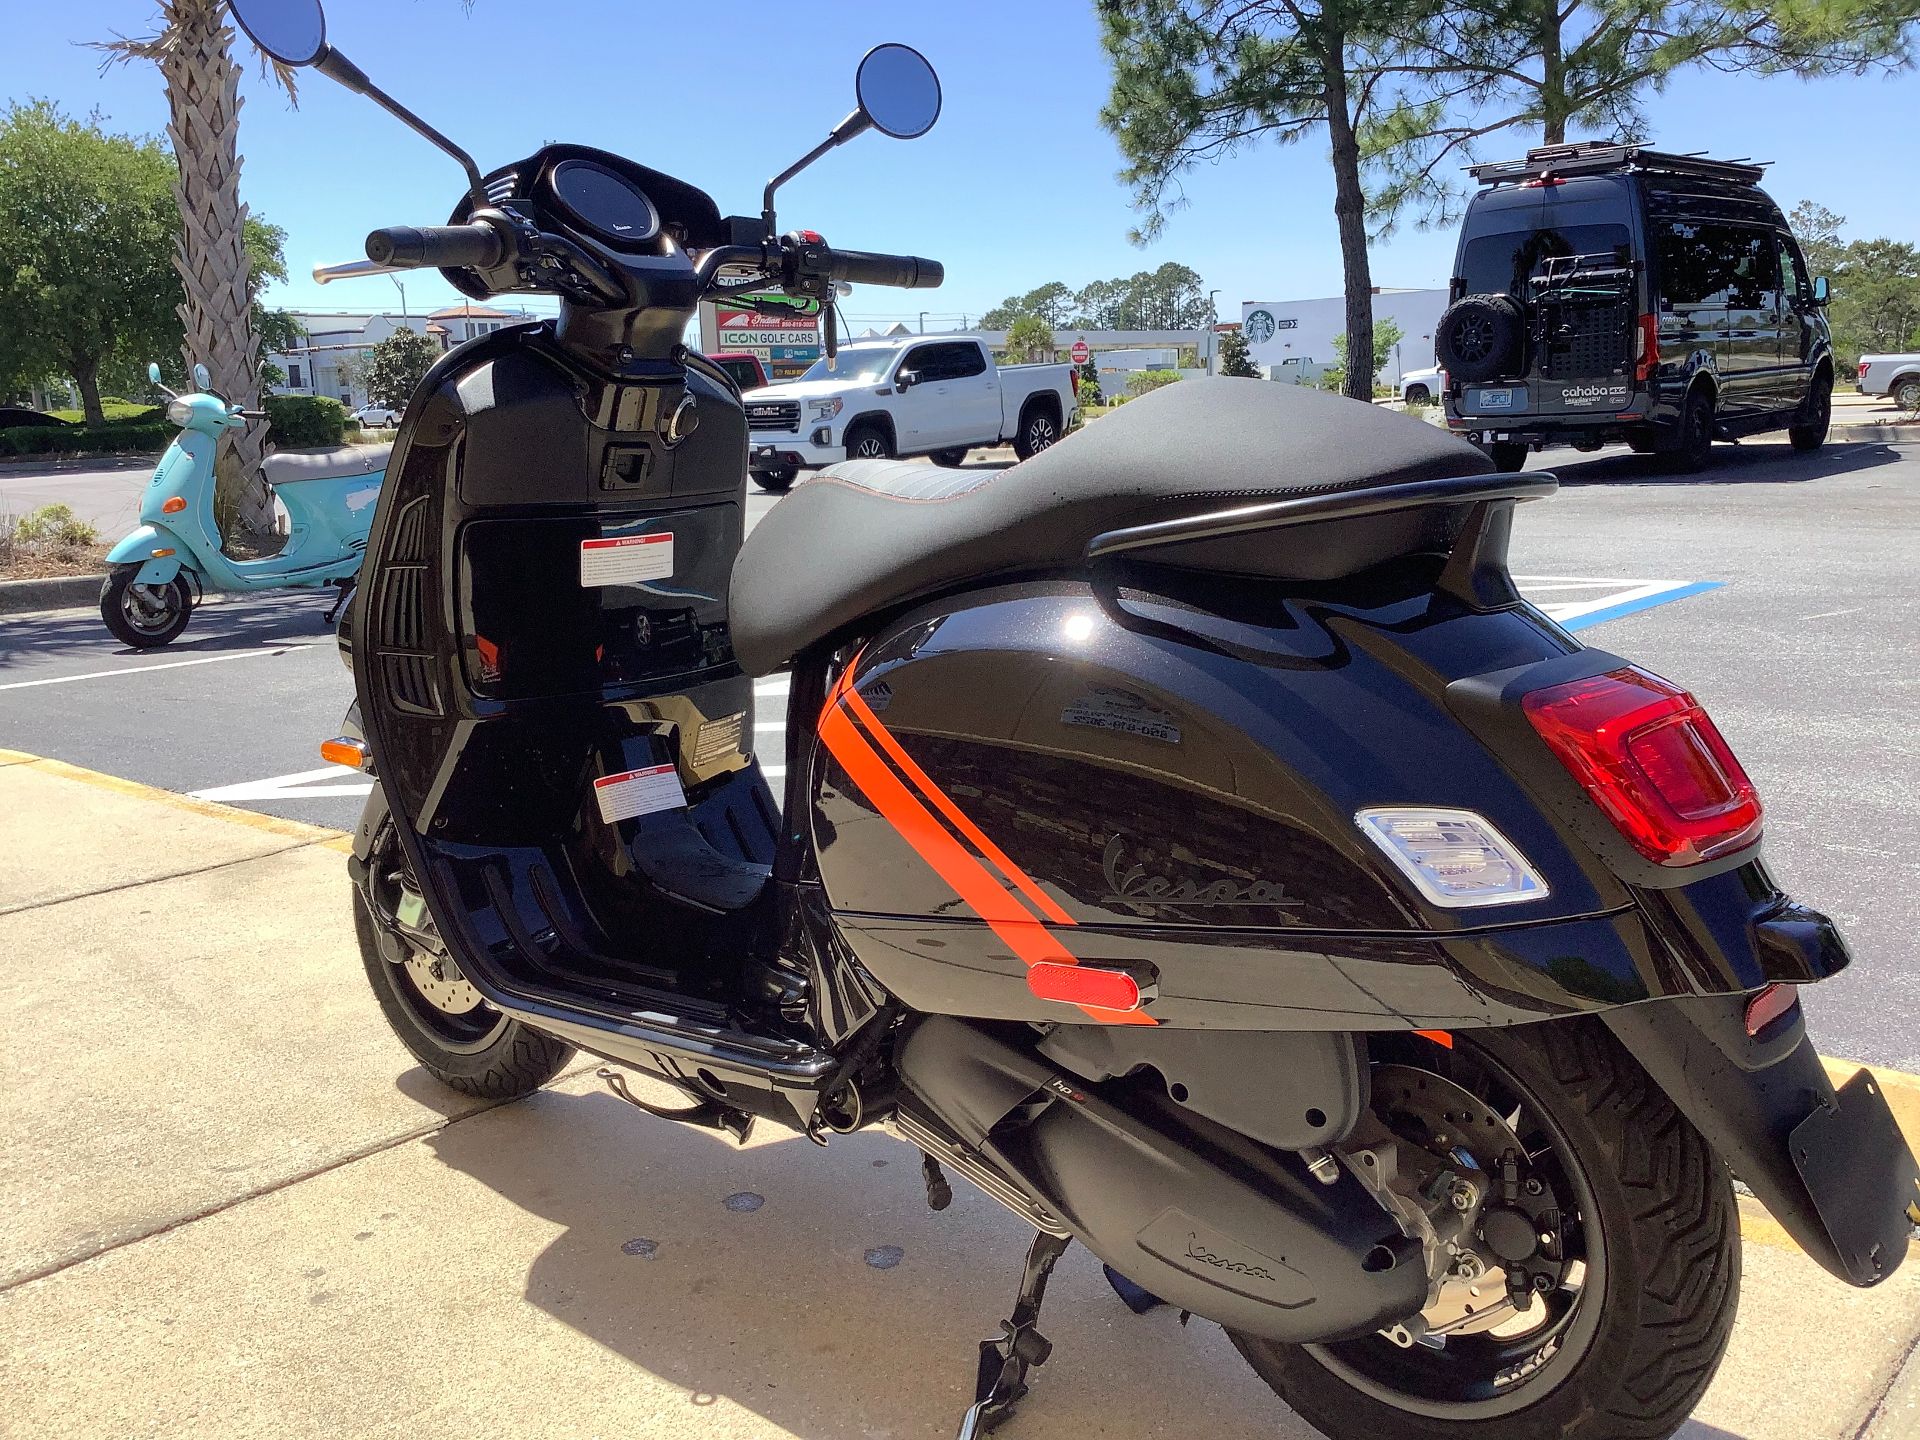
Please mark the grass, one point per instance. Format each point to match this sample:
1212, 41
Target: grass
113, 409
30, 551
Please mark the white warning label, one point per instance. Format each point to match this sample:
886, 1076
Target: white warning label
638, 792
625, 559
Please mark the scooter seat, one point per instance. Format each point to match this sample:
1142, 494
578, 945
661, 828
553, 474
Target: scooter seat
289, 467
868, 536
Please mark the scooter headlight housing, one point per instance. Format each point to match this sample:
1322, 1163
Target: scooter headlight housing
179, 412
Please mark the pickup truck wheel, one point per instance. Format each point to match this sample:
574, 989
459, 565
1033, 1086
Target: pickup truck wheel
1907, 393
1038, 430
1419, 395
949, 458
778, 481
868, 442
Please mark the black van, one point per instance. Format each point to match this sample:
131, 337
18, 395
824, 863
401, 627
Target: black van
1609, 292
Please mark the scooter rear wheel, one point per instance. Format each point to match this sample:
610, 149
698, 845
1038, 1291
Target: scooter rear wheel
1646, 1208
144, 616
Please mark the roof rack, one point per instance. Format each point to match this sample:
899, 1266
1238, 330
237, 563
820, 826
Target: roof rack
1598, 157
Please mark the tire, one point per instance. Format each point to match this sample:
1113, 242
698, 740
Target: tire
1641, 442
478, 1052
1039, 430
1816, 415
867, 441
1509, 456
145, 616
949, 459
1635, 1364
1690, 448
1906, 394
1418, 395
1481, 337
777, 481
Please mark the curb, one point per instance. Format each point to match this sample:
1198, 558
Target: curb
55, 592
273, 824
1883, 434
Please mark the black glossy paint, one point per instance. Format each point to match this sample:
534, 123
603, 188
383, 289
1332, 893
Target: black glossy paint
1192, 812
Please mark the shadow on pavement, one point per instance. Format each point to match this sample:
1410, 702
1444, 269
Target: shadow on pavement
815, 1288
1755, 463
223, 625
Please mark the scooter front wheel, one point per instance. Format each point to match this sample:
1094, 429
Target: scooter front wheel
1626, 1243
144, 616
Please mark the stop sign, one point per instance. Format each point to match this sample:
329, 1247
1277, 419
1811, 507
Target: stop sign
1080, 352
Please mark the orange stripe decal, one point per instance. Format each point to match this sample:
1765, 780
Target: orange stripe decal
1027, 936
942, 802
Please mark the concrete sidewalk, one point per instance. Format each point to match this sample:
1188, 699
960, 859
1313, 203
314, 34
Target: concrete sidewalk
230, 1207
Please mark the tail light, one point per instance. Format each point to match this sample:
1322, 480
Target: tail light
1861, 369
1653, 761
1649, 347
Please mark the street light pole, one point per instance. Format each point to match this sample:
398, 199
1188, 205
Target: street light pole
923, 322
1213, 328
403, 297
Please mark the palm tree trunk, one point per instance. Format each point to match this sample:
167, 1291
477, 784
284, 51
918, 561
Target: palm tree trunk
203, 93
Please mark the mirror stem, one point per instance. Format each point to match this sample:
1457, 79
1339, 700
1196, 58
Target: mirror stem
853, 125
337, 67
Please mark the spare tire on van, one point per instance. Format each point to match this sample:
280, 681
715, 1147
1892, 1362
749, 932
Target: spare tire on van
1481, 337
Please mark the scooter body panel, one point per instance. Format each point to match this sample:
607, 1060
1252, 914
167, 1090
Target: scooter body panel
1185, 813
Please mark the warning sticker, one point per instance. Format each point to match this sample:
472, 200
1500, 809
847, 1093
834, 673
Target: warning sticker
625, 559
638, 792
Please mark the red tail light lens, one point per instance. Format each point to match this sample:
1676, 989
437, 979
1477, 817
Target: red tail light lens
1649, 347
1652, 760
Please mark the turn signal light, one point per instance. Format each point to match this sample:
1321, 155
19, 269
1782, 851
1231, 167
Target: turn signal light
342, 751
1653, 761
1084, 985
175, 504
162, 554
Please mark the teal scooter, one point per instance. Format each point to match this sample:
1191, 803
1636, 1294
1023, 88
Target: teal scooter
160, 571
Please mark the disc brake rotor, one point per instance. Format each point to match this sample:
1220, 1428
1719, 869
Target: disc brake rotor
441, 984
1452, 1124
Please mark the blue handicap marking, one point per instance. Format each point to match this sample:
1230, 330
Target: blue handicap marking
1579, 601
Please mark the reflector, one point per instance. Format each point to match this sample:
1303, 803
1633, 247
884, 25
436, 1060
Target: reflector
1087, 985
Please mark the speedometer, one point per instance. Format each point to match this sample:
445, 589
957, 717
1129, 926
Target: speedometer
605, 203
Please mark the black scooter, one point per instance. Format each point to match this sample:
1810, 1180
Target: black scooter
1189, 836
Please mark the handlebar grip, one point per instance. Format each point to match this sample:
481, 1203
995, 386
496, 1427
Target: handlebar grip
904, 272
446, 246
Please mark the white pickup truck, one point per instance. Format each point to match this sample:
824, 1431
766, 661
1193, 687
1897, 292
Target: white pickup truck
1895, 375
911, 396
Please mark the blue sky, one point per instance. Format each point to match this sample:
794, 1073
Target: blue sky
1014, 187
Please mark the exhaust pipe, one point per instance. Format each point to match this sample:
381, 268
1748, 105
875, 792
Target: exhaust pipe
1205, 1218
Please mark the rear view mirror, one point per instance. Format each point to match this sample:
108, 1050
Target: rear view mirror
1820, 289
153, 371
898, 91
201, 380
906, 379
294, 32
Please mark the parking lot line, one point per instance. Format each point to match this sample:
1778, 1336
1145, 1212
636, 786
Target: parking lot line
279, 649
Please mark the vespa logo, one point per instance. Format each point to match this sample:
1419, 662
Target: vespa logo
1135, 886
1197, 1251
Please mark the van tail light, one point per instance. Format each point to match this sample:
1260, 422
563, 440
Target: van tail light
1649, 347
1653, 761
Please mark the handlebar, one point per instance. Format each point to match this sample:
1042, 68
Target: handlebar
904, 272
444, 246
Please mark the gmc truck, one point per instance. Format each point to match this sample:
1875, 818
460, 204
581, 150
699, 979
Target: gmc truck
911, 396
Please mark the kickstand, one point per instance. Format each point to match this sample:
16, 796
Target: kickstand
346, 591
1004, 1361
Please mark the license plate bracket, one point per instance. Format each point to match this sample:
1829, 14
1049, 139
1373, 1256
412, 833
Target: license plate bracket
1496, 399
1855, 1162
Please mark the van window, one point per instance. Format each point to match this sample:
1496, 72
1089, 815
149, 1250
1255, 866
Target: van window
1793, 270
1502, 264
1713, 263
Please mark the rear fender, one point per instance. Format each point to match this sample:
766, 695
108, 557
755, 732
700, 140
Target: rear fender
1831, 1166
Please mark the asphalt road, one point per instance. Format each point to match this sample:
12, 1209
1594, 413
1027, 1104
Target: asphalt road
106, 494
1779, 588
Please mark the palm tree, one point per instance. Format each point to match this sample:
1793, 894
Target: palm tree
194, 50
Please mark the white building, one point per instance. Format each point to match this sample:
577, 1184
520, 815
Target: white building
1298, 335
337, 341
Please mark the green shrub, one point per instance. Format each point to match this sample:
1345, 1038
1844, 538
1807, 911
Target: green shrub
55, 525
116, 411
294, 421
1141, 381
122, 438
